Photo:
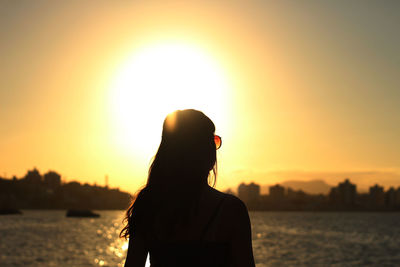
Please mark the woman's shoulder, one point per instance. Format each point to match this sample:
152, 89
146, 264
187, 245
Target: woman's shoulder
230, 202
233, 214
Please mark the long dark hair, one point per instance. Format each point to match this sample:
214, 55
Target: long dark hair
181, 168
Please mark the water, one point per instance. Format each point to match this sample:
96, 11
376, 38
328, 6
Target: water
48, 238
321, 239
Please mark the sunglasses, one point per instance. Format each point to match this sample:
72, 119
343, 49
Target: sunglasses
217, 141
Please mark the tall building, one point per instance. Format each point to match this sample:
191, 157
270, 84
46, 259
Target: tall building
277, 192
33, 177
344, 194
376, 196
392, 198
243, 192
249, 193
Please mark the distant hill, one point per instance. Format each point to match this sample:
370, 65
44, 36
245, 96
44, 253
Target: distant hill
311, 187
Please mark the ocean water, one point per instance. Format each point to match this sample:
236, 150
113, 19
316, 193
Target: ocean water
326, 239
48, 238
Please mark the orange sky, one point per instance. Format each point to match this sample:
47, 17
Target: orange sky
297, 91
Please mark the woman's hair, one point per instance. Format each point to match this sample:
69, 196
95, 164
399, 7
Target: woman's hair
180, 168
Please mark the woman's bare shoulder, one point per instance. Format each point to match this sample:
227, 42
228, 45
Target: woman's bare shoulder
235, 207
231, 204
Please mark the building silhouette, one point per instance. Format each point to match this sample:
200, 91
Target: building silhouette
249, 194
344, 194
376, 196
392, 198
48, 191
277, 192
33, 177
35, 191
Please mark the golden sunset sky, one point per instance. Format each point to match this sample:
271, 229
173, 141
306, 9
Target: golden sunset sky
298, 90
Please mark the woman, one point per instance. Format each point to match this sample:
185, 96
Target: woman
177, 217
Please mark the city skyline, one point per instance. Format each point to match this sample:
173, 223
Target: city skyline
48, 191
343, 197
314, 187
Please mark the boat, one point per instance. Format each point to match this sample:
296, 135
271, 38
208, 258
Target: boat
9, 211
82, 213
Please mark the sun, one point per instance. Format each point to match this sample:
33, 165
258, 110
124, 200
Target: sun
157, 80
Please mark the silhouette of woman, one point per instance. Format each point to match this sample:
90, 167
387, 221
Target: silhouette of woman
177, 217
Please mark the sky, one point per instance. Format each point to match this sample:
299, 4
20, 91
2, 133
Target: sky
297, 90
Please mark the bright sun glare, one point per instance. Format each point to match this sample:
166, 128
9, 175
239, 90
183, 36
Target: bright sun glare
158, 80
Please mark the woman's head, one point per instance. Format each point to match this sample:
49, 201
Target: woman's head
180, 169
187, 152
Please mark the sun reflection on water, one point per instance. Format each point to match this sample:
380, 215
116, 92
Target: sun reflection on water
125, 246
